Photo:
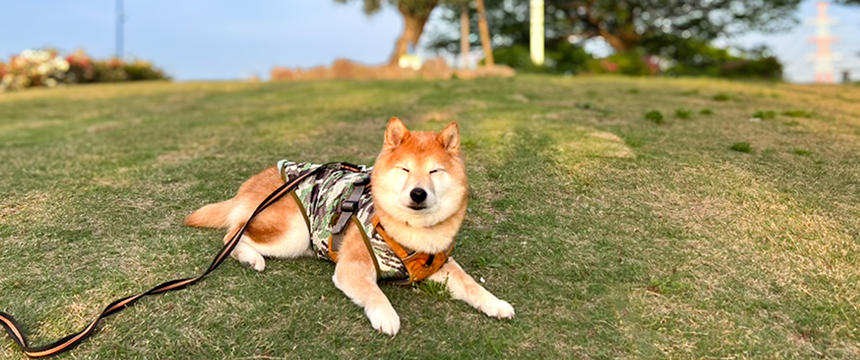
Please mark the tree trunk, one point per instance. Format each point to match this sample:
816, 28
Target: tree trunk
622, 38
413, 26
464, 35
485, 34
616, 42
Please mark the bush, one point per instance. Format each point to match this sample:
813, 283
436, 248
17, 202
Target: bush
743, 147
143, 70
46, 68
762, 114
797, 113
627, 63
654, 116
34, 68
565, 59
683, 113
763, 68
722, 97
112, 70
697, 58
80, 68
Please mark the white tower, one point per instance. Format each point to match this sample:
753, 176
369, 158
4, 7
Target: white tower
824, 56
537, 29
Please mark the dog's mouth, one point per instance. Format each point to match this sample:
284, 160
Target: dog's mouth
417, 207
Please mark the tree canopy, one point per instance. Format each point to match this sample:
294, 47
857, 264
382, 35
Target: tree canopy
624, 24
415, 15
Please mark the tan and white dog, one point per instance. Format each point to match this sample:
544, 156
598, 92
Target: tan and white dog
419, 191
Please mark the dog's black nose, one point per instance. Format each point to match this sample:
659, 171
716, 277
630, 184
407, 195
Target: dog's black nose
418, 195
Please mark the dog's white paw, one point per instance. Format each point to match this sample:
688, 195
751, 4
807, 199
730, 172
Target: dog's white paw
498, 308
253, 260
258, 264
248, 256
384, 319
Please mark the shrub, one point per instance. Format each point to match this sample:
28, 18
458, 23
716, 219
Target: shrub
34, 68
654, 116
722, 97
143, 70
683, 113
627, 63
109, 71
697, 58
80, 68
743, 147
47, 68
762, 114
706, 111
767, 67
565, 59
797, 113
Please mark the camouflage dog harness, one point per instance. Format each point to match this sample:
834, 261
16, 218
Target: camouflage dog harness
336, 196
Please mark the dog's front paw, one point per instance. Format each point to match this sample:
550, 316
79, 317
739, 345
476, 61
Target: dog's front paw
384, 319
498, 308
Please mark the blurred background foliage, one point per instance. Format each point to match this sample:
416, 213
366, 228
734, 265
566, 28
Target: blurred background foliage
674, 37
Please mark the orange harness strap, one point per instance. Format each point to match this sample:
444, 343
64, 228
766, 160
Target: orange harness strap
419, 265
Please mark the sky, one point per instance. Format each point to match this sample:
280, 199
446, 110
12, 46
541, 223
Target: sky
219, 39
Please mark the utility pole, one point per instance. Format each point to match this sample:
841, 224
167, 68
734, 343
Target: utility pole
823, 58
120, 21
536, 39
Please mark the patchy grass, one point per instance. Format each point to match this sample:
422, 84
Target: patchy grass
706, 111
612, 237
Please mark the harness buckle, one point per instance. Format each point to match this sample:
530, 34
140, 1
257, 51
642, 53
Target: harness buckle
349, 205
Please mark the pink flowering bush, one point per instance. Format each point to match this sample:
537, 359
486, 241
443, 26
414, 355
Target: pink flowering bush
46, 68
34, 68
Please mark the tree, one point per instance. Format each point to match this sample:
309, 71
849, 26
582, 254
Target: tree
485, 33
415, 15
624, 24
464, 35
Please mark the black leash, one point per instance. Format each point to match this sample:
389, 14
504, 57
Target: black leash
74, 339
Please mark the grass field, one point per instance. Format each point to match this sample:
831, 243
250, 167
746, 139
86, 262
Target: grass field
623, 218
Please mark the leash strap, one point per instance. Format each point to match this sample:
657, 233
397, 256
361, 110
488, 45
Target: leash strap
70, 341
348, 208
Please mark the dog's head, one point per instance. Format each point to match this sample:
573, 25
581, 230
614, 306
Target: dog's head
419, 176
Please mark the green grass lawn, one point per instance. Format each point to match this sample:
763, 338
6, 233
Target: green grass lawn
725, 227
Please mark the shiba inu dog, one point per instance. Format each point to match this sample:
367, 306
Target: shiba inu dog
418, 189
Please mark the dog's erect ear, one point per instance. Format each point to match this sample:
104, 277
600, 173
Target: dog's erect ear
450, 137
395, 132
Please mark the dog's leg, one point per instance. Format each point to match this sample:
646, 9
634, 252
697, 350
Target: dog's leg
355, 276
463, 287
245, 253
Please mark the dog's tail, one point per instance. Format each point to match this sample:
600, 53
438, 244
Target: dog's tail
210, 216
